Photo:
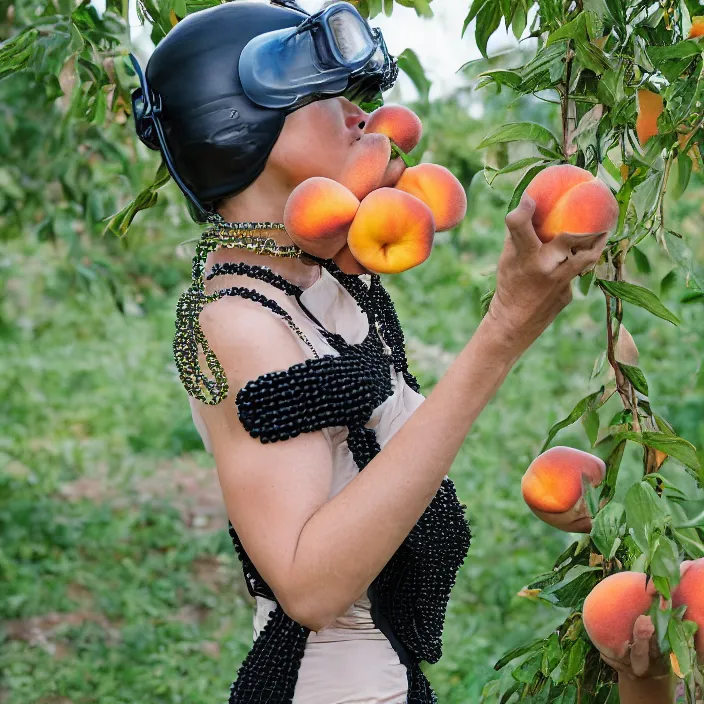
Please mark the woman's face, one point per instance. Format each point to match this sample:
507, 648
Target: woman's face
325, 138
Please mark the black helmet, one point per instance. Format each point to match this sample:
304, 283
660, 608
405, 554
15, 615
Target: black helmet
193, 108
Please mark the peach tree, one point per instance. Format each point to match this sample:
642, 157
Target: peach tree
627, 80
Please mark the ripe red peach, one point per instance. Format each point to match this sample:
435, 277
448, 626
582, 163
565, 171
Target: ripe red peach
697, 29
650, 107
570, 199
440, 190
611, 609
318, 214
367, 165
553, 487
347, 263
400, 124
392, 231
690, 591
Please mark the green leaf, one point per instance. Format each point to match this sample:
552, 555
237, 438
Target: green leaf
679, 636
641, 260
635, 376
668, 281
665, 564
501, 77
516, 166
388, 7
638, 296
573, 589
680, 50
577, 28
607, 528
671, 445
488, 21
16, 53
120, 222
684, 171
644, 513
476, 6
517, 652
523, 183
410, 64
519, 132
587, 403
591, 426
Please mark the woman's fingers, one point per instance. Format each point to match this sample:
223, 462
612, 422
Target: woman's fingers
520, 224
643, 631
570, 255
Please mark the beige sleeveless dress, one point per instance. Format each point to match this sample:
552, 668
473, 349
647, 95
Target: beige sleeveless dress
350, 661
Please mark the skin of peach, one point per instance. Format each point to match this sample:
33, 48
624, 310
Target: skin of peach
650, 107
318, 214
690, 591
575, 520
440, 190
367, 172
553, 481
611, 609
398, 123
347, 263
697, 29
392, 231
585, 209
550, 185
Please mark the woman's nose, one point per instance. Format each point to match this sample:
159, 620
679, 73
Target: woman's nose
354, 116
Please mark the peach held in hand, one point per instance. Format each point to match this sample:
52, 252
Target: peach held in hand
611, 609
438, 188
392, 231
318, 214
553, 487
570, 200
690, 591
401, 125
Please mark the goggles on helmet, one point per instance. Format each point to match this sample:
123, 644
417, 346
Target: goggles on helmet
333, 52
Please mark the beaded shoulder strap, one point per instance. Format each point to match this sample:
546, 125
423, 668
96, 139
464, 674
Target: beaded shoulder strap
189, 335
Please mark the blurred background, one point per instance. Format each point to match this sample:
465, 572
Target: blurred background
119, 582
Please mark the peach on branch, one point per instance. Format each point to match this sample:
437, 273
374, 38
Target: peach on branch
650, 107
611, 609
697, 28
401, 125
690, 592
392, 231
440, 190
553, 486
318, 214
570, 199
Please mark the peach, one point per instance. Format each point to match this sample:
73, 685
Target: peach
368, 164
401, 125
697, 29
553, 487
690, 591
570, 199
612, 608
650, 107
347, 263
438, 188
392, 231
318, 214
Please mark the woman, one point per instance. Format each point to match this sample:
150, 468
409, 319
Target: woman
351, 570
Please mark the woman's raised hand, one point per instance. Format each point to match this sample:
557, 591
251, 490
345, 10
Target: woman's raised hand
533, 282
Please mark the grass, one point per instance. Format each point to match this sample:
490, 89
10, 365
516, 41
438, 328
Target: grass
119, 583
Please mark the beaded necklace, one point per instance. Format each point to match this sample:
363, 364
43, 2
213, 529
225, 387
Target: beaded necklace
242, 235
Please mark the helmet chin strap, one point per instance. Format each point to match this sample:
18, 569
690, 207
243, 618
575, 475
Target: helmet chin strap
152, 112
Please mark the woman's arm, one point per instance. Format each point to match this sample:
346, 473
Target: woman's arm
658, 690
320, 555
